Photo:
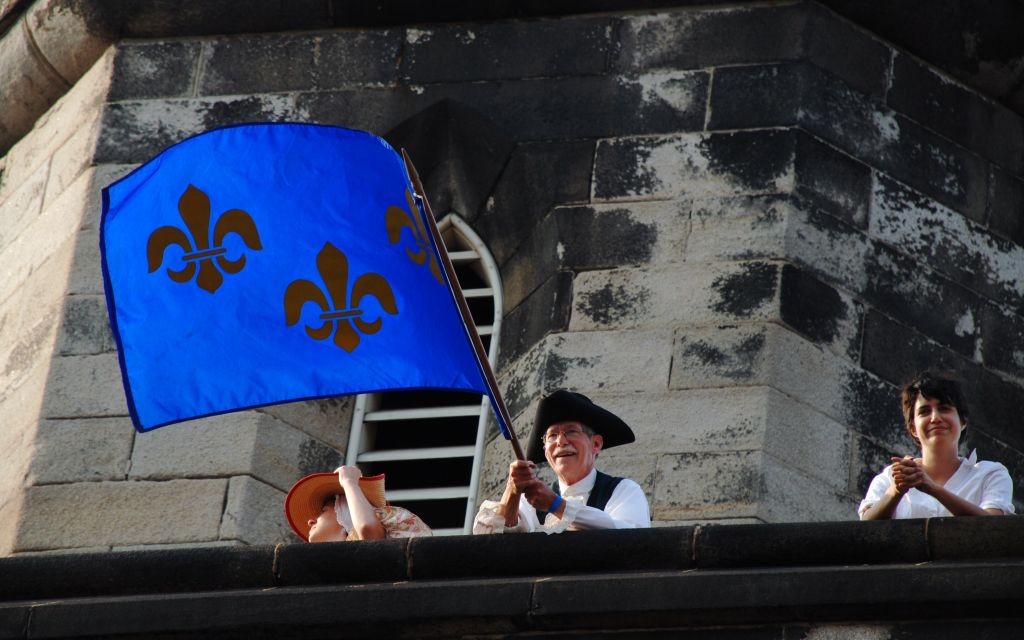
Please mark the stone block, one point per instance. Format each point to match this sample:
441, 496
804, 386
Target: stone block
53, 128
945, 106
750, 96
85, 327
725, 484
833, 181
102, 176
694, 165
846, 50
258, 64
43, 237
689, 294
506, 50
83, 450
146, 70
893, 143
1002, 340
603, 106
1006, 205
772, 356
636, 360
231, 444
691, 39
975, 538
740, 228
254, 513
30, 319
827, 316
544, 311
40, 576
582, 552
85, 387
86, 277
948, 243
808, 442
537, 177
113, 513
133, 132
789, 495
808, 544
459, 154
72, 159
22, 206
828, 248
327, 419
342, 562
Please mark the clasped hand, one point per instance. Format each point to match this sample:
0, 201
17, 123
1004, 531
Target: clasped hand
907, 474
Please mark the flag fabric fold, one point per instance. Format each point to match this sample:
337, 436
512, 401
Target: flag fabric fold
268, 263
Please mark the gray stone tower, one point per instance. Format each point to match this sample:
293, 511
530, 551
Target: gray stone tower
739, 227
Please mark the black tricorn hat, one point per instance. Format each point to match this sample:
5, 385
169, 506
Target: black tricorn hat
564, 406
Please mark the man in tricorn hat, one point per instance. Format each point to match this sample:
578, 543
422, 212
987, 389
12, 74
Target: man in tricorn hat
569, 432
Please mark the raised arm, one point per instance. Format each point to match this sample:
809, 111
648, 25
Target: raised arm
365, 524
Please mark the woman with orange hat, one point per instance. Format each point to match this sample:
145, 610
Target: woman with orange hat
339, 506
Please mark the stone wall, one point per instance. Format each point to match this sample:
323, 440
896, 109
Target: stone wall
738, 227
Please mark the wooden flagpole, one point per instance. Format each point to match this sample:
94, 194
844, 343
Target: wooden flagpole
467, 318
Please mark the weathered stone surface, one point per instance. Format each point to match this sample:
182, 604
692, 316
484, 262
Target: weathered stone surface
22, 206
692, 293
1002, 344
71, 160
54, 127
789, 495
459, 154
537, 177
84, 450
85, 387
842, 48
136, 131
120, 513
607, 360
833, 181
254, 513
327, 420
733, 229
708, 485
85, 327
773, 356
233, 444
506, 50
1006, 205
761, 95
827, 316
944, 105
299, 62
102, 176
86, 275
697, 39
153, 70
603, 106
950, 244
695, 165
546, 310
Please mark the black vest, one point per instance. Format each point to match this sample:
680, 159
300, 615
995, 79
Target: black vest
604, 485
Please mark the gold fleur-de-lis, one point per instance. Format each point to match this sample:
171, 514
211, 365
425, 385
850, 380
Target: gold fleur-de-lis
339, 316
194, 207
396, 218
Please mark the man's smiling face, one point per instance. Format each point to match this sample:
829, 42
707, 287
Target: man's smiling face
571, 449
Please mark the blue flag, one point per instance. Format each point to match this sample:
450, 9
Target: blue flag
262, 264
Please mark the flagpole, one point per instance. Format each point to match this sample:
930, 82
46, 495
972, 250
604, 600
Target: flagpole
467, 318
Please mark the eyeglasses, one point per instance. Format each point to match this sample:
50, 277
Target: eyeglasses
571, 434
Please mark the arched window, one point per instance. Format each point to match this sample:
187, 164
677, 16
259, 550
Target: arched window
431, 443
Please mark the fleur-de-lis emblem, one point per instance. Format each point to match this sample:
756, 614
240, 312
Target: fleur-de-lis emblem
194, 207
338, 317
396, 218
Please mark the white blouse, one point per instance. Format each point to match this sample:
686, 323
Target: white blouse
986, 484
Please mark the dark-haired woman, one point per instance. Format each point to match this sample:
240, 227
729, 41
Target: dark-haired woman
939, 482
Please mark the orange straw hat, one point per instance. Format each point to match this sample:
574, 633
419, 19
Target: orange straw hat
306, 498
